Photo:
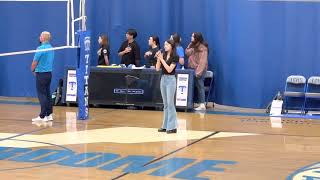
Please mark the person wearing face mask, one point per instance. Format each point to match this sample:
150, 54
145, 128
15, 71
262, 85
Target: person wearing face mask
154, 47
197, 51
167, 62
129, 50
103, 52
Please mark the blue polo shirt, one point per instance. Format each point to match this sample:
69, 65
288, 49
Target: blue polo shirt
180, 53
44, 58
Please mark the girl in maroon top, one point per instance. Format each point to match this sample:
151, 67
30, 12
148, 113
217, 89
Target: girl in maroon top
197, 51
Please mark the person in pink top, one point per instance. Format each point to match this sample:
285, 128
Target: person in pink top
197, 52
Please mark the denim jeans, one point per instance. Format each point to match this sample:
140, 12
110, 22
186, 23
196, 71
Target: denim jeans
43, 81
168, 86
199, 83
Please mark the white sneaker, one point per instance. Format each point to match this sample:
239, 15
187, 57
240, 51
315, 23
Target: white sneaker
37, 123
49, 118
39, 119
43, 123
202, 107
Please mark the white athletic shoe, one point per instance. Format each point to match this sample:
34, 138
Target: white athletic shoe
195, 105
37, 123
43, 123
49, 118
39, 119
202, 107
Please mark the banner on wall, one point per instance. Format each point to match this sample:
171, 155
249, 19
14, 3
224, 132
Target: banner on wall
71, 95
182, 90
83, 72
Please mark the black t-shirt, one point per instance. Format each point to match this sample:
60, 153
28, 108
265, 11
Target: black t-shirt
103, 51
133, 57
151, 60
173, 59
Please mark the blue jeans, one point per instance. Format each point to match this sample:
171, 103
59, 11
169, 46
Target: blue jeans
43, 81
168, 86
199, 82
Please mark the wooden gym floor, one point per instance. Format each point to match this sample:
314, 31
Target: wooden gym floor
125, 144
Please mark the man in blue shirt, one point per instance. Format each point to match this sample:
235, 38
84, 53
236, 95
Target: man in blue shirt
42, 68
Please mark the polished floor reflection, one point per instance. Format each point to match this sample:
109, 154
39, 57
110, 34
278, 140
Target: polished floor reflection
125, 144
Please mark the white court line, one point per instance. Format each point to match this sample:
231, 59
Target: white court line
119, 135
33, 51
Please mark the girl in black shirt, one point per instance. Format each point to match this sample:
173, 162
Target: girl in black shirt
103, 51
154, 47
167, 62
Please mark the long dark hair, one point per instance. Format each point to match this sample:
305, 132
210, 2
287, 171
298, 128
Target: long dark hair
156, 40
176, 38
105, 40
105, 43
173, 51
198, 39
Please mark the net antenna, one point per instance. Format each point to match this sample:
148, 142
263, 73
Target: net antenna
82, 19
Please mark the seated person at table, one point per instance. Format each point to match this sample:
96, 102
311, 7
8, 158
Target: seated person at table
103, 51
154, 47
129, 50
177, 41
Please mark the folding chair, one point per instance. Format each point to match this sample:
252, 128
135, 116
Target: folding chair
294, 94
312, 95
210, 77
